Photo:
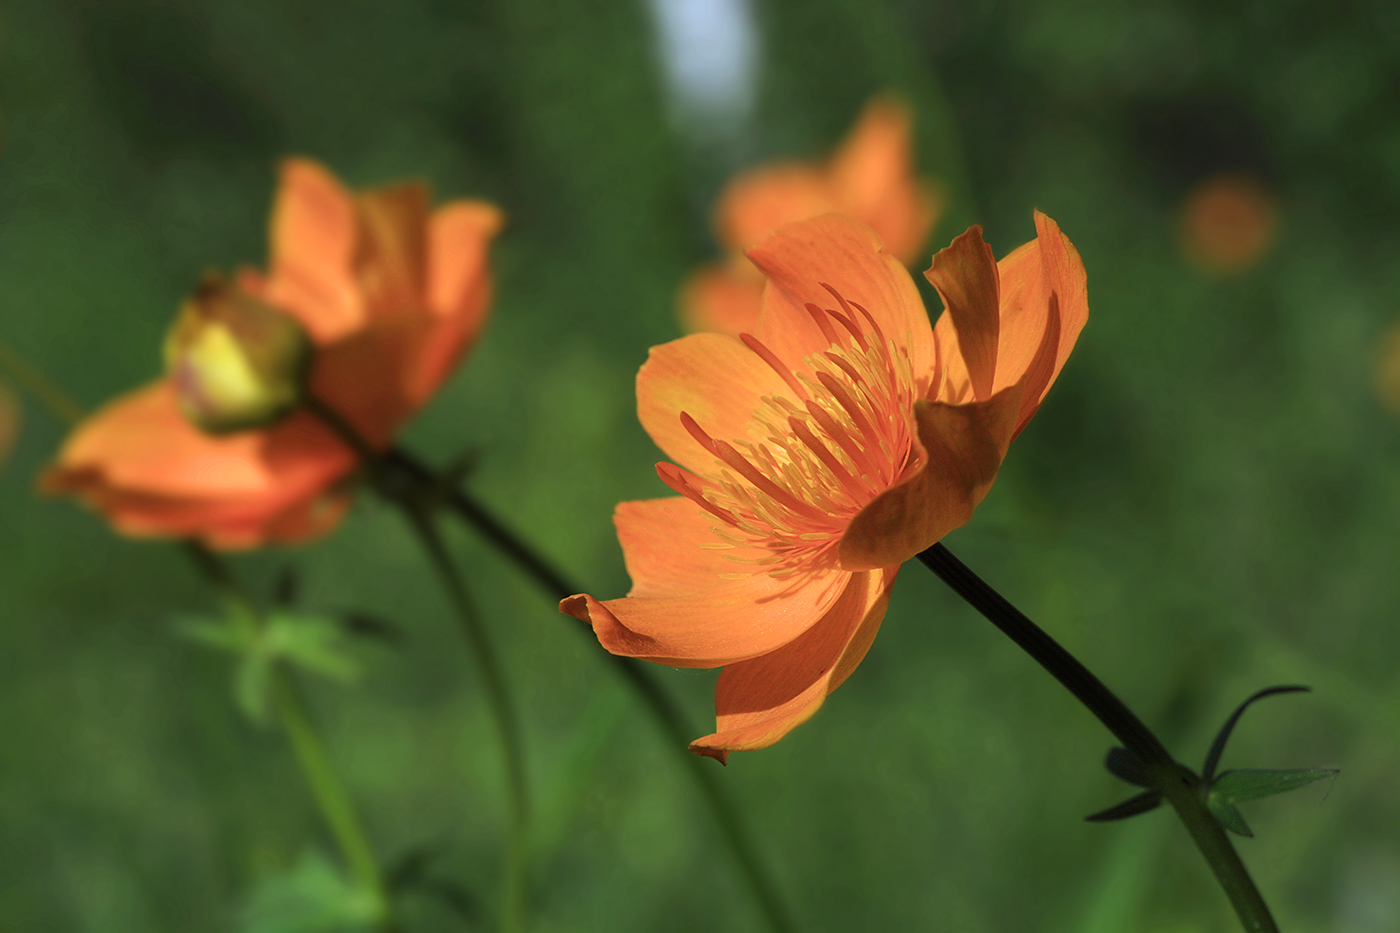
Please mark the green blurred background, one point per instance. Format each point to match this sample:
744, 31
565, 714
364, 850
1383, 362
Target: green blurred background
1207, 503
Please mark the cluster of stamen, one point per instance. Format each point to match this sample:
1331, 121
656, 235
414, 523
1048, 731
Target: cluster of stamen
822, 454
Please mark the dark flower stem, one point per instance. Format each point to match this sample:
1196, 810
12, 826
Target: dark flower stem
502, 709
663, 708
1181, 786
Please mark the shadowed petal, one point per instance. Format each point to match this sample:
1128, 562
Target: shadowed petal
313, 236
741, 619
758, 702
391, 250
965, 274
716, 380
671, 550
839, 252
963, 447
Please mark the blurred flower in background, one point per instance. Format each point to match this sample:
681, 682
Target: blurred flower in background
869, 178
10, 417
817, 455
1228, 223
388, 294
1387, 373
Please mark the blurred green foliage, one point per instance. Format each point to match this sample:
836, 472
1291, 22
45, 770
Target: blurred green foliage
1207, 503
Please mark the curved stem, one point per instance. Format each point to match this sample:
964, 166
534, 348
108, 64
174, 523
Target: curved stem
502, 709
329, 793
1182, 788
641, 676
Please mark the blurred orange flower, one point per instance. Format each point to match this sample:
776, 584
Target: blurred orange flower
869, 179
817, 455
1387, 372
1228, 223
10, 416
389, 293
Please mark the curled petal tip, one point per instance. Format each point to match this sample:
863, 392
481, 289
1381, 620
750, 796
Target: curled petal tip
718, 754
576, 606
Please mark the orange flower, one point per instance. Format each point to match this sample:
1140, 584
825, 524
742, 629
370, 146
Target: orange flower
870, 179
1228, 223
817, 455
389, 294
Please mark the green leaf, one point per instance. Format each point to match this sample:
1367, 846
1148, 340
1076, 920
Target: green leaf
317, 643
1242, 784
311, 898
1255, 783
1229, 816
1142, 803
214, 633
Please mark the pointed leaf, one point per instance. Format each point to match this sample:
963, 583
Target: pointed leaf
1217, 748
1125, 766
214, 633
1229, 816
1142, 803
315, 642
1255, 783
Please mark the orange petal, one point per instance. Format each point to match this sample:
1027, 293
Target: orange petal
1064, 292
313, 238
740, 619
671, 550
758, 702
722, 300
716, 380
965, 275
756, 203
391, 250
459, 290
141, 442
366, 376
873, 180
839, 252
963, 446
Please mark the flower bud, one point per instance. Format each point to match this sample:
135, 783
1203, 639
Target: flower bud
236, 362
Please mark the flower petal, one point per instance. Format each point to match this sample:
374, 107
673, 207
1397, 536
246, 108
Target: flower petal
873, 181
458, 289
722, 300
963, 446
313, 238
391, 249
149, 471
671, 549
1041, 280
834, 250
741, 619
965, 275
712, 377
758, 702
758, 202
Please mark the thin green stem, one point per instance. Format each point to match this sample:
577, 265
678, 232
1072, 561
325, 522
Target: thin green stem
502, 709
329, 793
58, 403
641, 676
1182, 788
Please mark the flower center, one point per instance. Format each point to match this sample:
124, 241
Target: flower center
816, 457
